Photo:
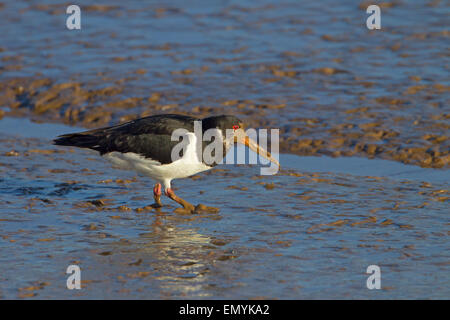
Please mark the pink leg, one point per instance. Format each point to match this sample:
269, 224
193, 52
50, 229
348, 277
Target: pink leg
186, 205
157, 195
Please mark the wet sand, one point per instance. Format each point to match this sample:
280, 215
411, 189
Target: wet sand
364, 126
304, 233
314, 71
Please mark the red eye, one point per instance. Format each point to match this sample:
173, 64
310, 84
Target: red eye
235, 127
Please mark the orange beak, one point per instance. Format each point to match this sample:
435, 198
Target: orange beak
242, 138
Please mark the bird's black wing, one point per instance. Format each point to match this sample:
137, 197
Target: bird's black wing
149, 137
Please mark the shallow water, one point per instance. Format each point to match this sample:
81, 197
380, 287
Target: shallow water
309, 232
310, 68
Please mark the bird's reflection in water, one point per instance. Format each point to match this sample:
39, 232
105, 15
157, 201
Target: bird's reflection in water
172, 260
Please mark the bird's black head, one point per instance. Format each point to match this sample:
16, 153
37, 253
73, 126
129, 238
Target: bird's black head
231, 124
222, 122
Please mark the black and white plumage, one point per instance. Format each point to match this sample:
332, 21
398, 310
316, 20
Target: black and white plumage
145, 145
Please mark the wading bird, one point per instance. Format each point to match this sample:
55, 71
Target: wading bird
145, 145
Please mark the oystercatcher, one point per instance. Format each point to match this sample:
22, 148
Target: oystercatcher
146, 144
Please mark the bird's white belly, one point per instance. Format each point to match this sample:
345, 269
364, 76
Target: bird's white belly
184, 167
154, 169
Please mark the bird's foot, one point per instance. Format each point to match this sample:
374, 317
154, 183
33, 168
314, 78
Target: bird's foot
157, 196
201, 208
184, 211
198, 209
187, 207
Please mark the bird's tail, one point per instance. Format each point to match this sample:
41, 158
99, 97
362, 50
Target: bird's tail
81, 140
